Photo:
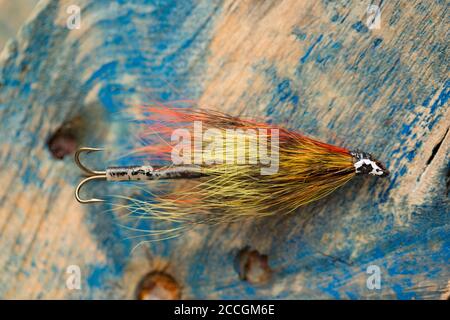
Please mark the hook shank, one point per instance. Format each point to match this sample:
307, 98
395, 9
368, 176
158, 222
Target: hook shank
133, 173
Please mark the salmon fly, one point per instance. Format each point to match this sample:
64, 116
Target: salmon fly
232, 168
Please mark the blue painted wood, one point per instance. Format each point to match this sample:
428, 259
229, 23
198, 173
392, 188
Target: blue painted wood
313, 66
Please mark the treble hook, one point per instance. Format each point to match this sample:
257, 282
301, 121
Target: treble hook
130, 173
91, 174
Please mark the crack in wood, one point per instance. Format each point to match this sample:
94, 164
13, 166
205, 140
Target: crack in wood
436, 148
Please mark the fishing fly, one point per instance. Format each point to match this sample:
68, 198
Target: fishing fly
232, 168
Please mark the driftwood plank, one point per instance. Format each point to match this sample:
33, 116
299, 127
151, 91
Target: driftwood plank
314, 66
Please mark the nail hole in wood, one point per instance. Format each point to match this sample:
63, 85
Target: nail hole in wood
254, 266
158, 285
64, 141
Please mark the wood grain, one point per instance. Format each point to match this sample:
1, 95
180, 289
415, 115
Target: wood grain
313, 66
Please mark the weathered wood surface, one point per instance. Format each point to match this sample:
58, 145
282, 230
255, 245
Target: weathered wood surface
12, 16
312, 65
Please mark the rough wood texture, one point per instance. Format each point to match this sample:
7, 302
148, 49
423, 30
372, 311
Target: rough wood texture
312, 65
12, 15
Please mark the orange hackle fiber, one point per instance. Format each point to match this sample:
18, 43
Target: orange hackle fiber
307, 170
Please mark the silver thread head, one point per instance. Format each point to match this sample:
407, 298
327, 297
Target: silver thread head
365, 163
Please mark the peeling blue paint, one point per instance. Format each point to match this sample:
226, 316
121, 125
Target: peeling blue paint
360, 27
310, 49
98, 276
299, 34
377, 42
442, 98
